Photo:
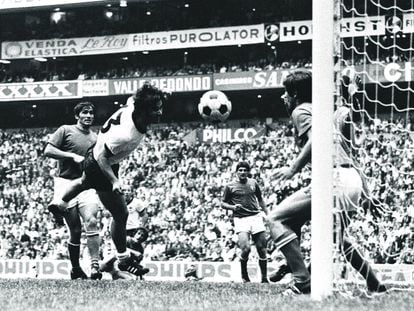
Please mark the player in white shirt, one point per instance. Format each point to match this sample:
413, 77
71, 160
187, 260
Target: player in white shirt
118, 137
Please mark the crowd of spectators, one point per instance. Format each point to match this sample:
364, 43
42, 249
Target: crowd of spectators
148, 17
182, 183
118, 70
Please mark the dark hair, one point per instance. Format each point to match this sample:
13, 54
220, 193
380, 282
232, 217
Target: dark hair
243, 164
147, 95
78, 108
299, 83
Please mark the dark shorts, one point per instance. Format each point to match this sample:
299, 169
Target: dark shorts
94, 177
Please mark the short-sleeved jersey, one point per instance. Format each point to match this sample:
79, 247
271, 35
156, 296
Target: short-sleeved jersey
71, 138
302, 120
135, 207
342, 133
246, 194
118, 135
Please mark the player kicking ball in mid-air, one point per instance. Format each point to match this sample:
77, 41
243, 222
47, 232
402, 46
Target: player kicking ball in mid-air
244, 197
117, 139
68, 144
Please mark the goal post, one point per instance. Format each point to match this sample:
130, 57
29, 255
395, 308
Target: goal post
322, 148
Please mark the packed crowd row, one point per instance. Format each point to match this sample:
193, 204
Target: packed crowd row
147, 17
182, 184
121, 69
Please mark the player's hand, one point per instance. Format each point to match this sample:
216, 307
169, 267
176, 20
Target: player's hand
284, 173
238, 207
77, 158
117, 188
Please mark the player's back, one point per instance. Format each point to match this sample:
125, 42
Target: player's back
302, 120
118, 135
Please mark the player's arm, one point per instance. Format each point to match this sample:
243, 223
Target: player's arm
53, 147
225, 203
55, 153
103, 161
301, 160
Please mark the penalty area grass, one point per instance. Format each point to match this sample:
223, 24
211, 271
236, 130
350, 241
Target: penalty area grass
106, 295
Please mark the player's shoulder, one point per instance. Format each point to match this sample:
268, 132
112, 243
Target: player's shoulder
65, 128
303, 109
232, 184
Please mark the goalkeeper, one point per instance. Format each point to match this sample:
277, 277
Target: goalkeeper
350, 183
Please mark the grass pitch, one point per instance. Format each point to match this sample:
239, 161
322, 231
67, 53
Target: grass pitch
105, 295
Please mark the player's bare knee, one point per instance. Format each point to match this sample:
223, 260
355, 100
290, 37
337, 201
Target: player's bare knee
91, 224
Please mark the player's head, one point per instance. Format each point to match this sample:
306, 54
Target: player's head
242, 170
141, 235
298, 89
128, 194
84, 113
149, 99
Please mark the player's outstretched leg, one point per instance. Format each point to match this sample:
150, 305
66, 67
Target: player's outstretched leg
363, 267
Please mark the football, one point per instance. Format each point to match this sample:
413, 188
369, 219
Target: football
214, 106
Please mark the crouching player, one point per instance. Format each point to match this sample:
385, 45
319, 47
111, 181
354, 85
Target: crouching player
136, 235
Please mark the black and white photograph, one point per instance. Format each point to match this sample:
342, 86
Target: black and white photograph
234, 155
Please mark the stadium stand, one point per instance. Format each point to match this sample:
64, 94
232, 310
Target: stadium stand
182, 186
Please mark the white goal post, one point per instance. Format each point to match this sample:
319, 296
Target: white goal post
322, 148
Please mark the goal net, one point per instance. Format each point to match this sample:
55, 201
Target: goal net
374, 41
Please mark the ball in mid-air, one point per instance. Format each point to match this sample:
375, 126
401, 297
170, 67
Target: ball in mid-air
214, 106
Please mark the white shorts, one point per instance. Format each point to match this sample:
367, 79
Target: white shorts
250, 224
83, 199
347, 189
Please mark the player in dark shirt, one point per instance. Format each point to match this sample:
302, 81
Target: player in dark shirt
286, 219
244, 198
69, 144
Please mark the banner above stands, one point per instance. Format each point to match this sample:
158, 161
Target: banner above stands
150, 41
231, 81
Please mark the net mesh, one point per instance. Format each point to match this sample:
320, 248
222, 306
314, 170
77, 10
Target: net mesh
379, 137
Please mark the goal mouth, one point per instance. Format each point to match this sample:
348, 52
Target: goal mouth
373, 218
380, 53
